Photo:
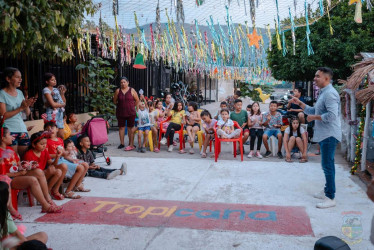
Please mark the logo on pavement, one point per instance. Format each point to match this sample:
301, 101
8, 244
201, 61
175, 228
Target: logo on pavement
352, 227
181, 214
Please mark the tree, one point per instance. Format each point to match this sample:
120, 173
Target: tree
42, 28
98, 79
336, 51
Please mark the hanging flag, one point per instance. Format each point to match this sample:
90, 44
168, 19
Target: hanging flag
328, 15
321, 7
284, 44
358, 11
309, 44
200, 2
253, 12
268, 32
277, 36
292, 33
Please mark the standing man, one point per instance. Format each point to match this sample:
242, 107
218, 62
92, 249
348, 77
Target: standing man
327, 130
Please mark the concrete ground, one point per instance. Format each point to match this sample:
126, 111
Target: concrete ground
171, 177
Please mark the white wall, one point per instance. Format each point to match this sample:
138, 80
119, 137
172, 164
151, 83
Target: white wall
225, 88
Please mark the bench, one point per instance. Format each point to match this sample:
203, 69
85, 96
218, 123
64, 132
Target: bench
39, 124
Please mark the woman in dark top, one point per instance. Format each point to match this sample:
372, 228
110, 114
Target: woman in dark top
126, 98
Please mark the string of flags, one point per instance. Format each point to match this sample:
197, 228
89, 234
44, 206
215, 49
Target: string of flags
233, 51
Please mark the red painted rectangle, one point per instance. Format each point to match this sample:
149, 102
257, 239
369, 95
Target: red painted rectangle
180, 214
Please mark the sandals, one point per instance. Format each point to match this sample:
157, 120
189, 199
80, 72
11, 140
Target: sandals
52, 210
57, 196
289, 160
182, 151
203, 155
81, 189
303, 160
129, 148
16, 215
53, 204
71, 195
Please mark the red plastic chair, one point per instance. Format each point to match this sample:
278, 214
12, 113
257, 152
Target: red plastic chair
217, 144
15, 198
162, 131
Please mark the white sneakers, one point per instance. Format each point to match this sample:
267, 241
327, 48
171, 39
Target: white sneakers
258, 155
163, 141
326, 203
123, 169
320, 195
170, 148
113, 174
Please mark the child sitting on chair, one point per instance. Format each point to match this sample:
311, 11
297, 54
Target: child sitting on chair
75, 171
295, 136
38, 152
225, 126
153, 116
94, 170
144, 124
208, 125
192, 123
222, 105
176, 114
272, 120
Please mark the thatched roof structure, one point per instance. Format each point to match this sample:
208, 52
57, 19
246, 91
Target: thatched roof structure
363, 69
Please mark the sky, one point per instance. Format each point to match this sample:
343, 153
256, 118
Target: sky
145, 10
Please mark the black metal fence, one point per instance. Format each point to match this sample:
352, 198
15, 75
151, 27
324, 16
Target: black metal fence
153, 80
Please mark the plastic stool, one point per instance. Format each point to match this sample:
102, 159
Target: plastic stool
15, 198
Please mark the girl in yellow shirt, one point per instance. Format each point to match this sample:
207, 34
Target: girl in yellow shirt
177, 114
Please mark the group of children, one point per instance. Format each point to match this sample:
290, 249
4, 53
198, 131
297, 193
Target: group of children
47, 163
252, 122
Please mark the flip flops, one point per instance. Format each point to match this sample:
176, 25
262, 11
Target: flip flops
129, 148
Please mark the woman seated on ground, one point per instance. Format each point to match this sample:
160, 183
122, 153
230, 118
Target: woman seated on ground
295, 137
72, 126
25, 179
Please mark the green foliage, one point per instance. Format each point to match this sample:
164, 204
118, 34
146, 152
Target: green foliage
42, 28
336, 51
98, 80
249, 90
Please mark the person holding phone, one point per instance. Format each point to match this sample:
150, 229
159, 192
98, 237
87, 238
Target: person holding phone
295, 109
12, 104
